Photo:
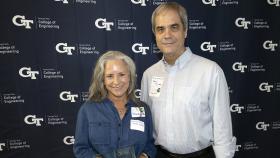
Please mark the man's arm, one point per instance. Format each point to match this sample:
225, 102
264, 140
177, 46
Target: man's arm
144, 88
224, 142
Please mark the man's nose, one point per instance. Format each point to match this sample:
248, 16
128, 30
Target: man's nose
167, 33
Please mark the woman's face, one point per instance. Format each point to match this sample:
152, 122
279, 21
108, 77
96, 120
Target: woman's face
116, 79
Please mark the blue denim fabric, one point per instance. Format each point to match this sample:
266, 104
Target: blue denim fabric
127, 152
99, 130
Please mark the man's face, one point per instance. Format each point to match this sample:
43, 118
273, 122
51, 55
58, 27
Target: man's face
169, 32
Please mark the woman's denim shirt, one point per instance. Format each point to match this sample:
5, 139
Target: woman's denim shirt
99, 130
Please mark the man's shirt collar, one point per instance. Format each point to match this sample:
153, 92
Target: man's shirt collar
181, 60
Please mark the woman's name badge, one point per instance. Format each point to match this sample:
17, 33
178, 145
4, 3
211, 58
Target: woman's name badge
137, 112
137, 125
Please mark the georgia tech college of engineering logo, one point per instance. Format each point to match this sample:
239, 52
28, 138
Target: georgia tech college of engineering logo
142, 2
265, 87
212, 2
269, 45
236, 108
26, 72
262, 126
206, 46
69, 140
19, 20
139, 48
67, 96
103, 24
31, 120
274, 2
1, 146
64, 48
237, 66
241, 22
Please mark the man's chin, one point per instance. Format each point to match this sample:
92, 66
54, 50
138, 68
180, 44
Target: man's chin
166, 52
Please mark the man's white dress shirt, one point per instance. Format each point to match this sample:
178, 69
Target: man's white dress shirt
190, 105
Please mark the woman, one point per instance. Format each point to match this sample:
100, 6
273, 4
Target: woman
112, 123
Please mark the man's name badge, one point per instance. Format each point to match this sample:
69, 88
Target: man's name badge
156, 86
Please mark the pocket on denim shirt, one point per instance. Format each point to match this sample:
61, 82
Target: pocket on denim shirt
99, 132
138, 137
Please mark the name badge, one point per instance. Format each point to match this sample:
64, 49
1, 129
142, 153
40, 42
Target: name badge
156, 85
137, 125
137, 112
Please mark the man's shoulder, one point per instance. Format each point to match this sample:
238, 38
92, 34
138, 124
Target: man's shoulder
154, 68
205, 65
202, 61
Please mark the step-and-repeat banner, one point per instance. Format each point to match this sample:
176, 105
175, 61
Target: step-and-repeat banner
48, 49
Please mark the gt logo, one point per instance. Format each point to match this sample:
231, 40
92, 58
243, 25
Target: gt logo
273, 2
142, 2
138, 48
63, 48
67, 96
26, 72
236, 108
64, 1
206, 46
137, 93
237, 147
269, 45
265, 87
31, 119
1, 145
69, 140
241, 22
212, 2
262, 126
19, 20
237, 66
103, 24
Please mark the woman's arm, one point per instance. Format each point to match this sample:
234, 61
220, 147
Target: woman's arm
82, 147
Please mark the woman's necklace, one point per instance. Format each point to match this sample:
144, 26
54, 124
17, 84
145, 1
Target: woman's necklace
120, 106
121, 112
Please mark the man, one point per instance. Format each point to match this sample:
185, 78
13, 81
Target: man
188, 94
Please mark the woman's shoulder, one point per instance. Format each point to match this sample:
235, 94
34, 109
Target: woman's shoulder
139, 103
91, 104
